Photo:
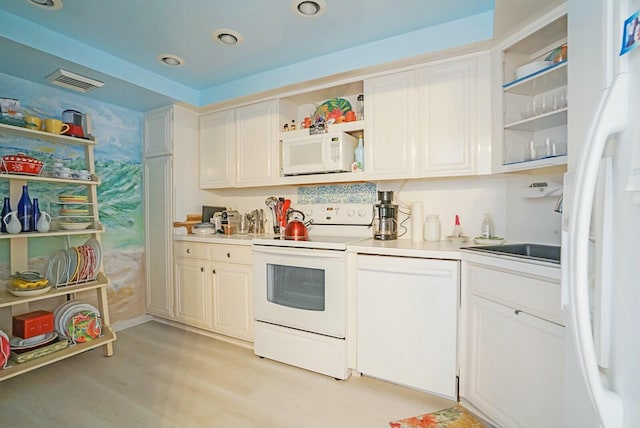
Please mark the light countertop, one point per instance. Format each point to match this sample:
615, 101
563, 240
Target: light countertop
397, 247
409, 248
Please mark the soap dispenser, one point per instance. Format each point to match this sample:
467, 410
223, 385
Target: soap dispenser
359, 154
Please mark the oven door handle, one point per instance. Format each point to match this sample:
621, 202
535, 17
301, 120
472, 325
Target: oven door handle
328, 254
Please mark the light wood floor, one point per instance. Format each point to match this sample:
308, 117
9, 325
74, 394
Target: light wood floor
162, 376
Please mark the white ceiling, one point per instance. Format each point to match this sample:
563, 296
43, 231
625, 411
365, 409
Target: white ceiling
117, 41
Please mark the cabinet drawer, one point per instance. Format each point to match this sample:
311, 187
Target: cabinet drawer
537, 296
192, 250
240, 254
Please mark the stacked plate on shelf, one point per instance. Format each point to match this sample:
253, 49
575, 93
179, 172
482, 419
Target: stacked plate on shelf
77, 264
75, 212
77, 321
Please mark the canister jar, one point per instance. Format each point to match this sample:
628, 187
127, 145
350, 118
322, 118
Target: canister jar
432, 228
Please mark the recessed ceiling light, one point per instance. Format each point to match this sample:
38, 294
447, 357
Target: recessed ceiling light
309, 8
227, 37
170, 60
47, 4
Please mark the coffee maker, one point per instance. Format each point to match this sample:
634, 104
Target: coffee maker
385, 224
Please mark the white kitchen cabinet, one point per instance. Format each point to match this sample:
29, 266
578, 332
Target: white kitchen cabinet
531, 110
157, 200
157, 131
513, 342
516, 371
430, 121
192, 270
217, 150
453, 117
166, 178
390, 112
233, 291
238, 147
407, 310
213, 287
256, 144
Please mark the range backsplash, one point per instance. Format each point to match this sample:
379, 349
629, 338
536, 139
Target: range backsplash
360, 193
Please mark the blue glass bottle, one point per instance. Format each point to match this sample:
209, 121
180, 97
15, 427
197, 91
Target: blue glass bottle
6, 209
25, 210
35, 216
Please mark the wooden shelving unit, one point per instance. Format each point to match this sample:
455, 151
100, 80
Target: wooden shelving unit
19, 255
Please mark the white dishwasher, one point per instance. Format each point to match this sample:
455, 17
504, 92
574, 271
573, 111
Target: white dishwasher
407, 311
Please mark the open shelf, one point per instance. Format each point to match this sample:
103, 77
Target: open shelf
543, 121
46, 136
16, 369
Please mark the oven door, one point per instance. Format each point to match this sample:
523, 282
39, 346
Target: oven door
300, 288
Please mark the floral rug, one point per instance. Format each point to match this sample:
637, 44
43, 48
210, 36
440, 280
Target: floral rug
454, 417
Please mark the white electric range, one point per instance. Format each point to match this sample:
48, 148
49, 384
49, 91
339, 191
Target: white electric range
300, 289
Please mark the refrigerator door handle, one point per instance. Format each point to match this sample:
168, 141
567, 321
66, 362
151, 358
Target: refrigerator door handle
611, 118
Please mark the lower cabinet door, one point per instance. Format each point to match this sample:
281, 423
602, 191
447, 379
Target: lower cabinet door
233, 300
193, 291
514, 366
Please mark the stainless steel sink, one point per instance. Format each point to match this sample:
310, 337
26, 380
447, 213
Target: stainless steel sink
547, 253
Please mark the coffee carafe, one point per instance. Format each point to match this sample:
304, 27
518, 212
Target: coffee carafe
385, 223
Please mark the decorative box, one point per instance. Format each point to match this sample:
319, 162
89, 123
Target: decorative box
32, 324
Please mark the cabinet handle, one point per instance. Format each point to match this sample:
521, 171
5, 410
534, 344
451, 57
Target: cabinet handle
228, 255
517, 311
201, 269
188, 250
213, 271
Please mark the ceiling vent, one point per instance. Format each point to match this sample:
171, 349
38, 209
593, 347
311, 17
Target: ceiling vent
74, 81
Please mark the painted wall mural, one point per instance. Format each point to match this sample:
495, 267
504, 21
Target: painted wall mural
118, 158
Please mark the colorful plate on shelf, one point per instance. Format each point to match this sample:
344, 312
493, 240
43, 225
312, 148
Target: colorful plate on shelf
26, 292
73, 198
73, 264
97, 250
75, 225
336, 103
18, 343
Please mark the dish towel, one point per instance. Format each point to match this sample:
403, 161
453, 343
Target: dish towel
454, 417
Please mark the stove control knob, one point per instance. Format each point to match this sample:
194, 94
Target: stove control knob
351, 213
362, 213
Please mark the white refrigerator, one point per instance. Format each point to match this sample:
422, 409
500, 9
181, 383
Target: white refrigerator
601, 218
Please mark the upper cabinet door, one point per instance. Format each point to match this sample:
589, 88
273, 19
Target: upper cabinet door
158, 132
256, 137
389, 135
452, 97
217, 162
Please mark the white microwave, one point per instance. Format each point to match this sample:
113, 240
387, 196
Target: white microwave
318, 154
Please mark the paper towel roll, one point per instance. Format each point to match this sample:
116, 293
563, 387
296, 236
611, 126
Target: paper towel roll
416, 222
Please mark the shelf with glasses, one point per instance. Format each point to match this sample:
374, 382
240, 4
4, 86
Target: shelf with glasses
535, 106
546, 120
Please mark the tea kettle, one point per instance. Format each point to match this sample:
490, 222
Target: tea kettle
297, 229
